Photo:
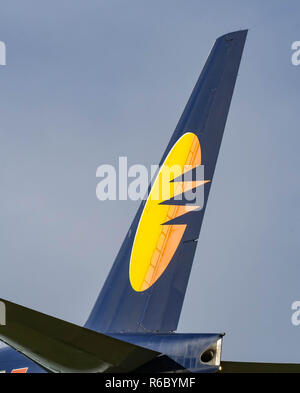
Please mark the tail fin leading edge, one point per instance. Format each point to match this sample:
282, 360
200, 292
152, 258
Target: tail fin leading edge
145, 288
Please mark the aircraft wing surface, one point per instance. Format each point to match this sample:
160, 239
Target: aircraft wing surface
60, 346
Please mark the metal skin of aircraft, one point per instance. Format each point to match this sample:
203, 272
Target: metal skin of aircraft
132, 325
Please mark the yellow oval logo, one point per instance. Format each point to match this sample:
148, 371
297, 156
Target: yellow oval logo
154, 243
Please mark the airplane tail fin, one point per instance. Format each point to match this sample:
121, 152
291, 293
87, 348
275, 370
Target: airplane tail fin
145, 288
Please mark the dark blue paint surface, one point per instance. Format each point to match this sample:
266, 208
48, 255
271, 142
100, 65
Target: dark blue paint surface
184, 349
11, 360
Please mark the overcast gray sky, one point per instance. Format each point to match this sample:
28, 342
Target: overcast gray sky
89, 81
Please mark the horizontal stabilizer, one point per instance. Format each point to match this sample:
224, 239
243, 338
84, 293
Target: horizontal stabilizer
245, 367
60, 346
